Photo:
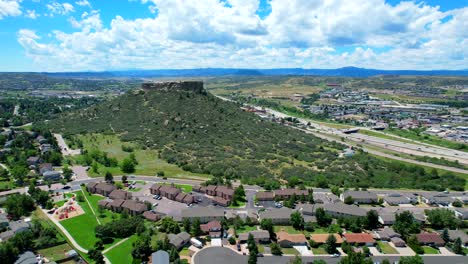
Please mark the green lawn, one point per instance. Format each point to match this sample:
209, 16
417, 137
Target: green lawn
134, 190
261, 248
319, 251
239, 204
430, 250
148, 162
186, 188
94, 199
184, 252
82, 227
386, 248
55, 253
287, 229
121, 254
246, 228
290, 251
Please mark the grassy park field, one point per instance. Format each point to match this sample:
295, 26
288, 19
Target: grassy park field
121, 254
148, 161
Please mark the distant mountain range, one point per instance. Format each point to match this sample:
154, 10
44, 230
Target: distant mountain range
345, 72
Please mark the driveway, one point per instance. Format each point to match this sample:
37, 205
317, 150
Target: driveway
404, 251
216, 242
66, 151
81, 172
303, 250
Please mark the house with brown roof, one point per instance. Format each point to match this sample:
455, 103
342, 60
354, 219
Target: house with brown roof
200, 189
213, 228
285, 194
120, 194
265, 196
103, 203
359, 239
211, 190
224, 192
386, 234
398, 242
151, 216
116, 205
260, 236
134, 207
322, 238
221, 201
430, 239
277, 216
102, 188
285, 239
179, 240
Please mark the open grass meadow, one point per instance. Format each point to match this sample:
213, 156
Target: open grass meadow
148, 162
55, 253
121, 254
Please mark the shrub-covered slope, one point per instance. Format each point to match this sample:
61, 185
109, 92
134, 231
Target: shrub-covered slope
202, 133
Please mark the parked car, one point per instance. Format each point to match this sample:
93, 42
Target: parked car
155, 204
336, 255
238, 247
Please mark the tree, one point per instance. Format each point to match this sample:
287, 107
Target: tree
385, 261
445, 235
457, 246
372, 219
196, 230
297, 220
253, 249
330, 244
355, 258
141, 248
67, 173
96, 255
187, 225
109, 177
442, 218
349, 200
267, 224
405, 224
457, 203
346, 247
323, 219
276, 249
18, 205
411, 260
232, 240
309, 226
127, 166
413, 243
124, 178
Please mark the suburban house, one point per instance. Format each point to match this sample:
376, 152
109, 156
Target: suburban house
265, 196
454, 234
360, 197
260, 236
211, 190
396, 199
115, 205
160, 257
430, 239
120, 194
252, 214
320, 197
285, 194
185, 198
179, 240
200, 189
168, 191
221, 201
134, 207
322, 238
51, 176
204, 214
398, 242
102, 188
359, 239
461, 213
33, 161
277, 216
224, 192
437, 199
15, 227
334, 209
285, 239
213, 228
386, 234
45, 167
151, 216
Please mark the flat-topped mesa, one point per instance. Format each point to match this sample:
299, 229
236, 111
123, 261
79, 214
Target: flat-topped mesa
194, 86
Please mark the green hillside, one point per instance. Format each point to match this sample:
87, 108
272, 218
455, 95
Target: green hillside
203, 134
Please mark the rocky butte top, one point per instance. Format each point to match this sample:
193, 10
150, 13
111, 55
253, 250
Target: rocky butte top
195, 86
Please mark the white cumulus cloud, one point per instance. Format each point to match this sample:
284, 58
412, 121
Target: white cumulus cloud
297, 33
57, 8
10, 8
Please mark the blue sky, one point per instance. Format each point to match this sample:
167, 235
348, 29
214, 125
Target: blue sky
79, 35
